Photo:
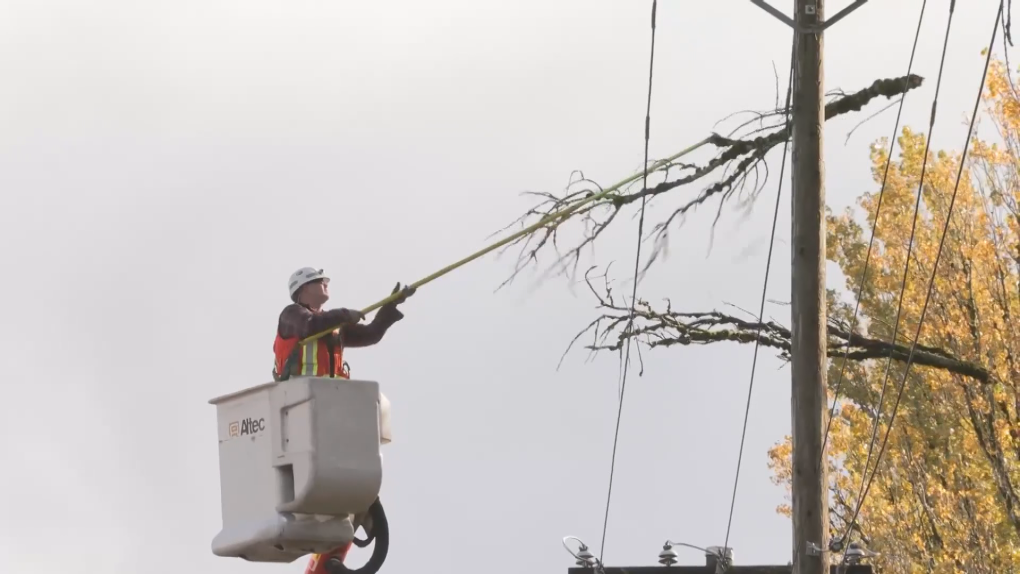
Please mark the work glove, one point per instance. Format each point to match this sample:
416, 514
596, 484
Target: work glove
406, 292
389, 314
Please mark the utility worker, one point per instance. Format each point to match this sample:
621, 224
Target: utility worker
324, 357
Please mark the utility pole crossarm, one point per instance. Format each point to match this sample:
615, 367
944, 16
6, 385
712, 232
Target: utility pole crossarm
808, 28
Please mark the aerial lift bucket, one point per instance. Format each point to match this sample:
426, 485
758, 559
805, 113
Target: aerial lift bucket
301, 468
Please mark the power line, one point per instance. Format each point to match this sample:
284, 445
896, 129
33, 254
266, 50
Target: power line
871, 241
910, 244
633, 297
931, 281
764, 291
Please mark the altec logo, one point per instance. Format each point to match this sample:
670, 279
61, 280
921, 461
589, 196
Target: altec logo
246, 427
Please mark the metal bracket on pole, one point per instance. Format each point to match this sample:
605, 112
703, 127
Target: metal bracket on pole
813, 28
813, 549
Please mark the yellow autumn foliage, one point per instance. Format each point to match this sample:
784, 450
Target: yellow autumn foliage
946, 497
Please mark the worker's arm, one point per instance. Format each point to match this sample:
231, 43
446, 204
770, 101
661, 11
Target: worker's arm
297, 321
356, 335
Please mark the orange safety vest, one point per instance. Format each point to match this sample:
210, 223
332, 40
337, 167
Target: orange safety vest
323, 357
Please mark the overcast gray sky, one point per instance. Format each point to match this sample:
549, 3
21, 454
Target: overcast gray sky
165, 166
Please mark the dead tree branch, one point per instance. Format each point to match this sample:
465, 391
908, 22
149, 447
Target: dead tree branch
737, 163
665, 328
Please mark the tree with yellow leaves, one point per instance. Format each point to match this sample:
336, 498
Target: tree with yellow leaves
946, 493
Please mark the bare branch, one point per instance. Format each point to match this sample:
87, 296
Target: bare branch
665, 328
738, 159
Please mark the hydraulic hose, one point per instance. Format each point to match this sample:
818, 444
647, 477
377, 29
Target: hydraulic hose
380, 533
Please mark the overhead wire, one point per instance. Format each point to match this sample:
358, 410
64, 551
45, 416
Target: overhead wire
910, 241
1007, 42
871, 242
866, 485
633, 297
764, 291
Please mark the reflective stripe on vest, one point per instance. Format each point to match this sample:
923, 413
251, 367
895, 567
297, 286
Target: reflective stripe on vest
312, 359
310, 365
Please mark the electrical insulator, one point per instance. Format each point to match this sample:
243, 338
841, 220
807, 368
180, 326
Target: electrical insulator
854, 553
668, 556
585, 558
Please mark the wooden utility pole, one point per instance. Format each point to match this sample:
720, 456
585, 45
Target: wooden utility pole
808, 302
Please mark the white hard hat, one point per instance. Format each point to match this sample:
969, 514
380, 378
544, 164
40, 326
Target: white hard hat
302, 276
